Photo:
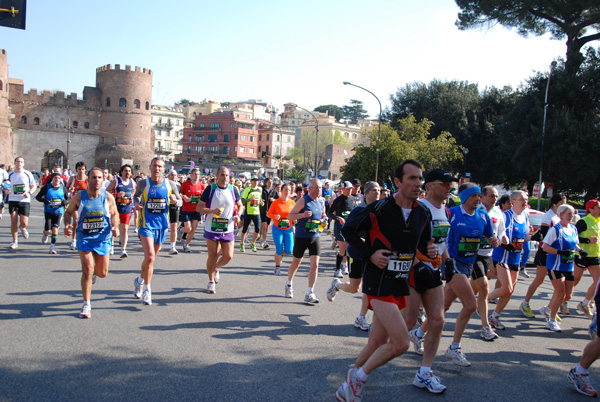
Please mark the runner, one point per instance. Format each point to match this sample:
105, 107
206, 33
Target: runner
561, 244
54, 197
4, 190
123, 188
191, 191
356, 264
548, 220
396, 227
308, 213
75, 184
174, 212
327, 193
98, 217
338, 212
19, 200
151, 198
268, 196
283, 233
251, 197
218, 203
507, 257
588, 228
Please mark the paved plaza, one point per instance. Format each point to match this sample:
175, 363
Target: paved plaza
244, 343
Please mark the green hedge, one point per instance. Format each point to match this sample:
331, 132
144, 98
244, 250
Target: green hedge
545, 202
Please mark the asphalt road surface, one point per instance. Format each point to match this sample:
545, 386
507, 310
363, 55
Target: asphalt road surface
244, 343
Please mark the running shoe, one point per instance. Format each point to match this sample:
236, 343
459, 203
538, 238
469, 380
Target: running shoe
593, 328
488, 334
457, 356
135, 230
242, 247
333, 245
495, 323
25, 233
545, 312
417, 342
186, 249
332, 291
147, 297
14, 245
137, 287
340, 394
526, 311
585, 310
361, 322
173, 251
289, 291
212, 289
52, 249
217, 275
179, 233
86, 311
494, 301
253, 247
421, 316
429, 381
123, 254
345, 268
74, 245
310, 298
265, 245
564, 308
354, 387
45, 239
552, 325
582, 383
338, 273
277, 271
94, 277
524, 273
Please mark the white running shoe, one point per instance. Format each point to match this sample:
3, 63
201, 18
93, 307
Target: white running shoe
217, 276
186, 249
45, 239
138, 282
277, 271
173, 251
488, 334
417, 342
74, 245
552, 325
545, 312
457, 356
25, 233
429, 381
338, 273
14, 245
265, 245
212, 289
332, 291
112, 250
289, 291
147, 297
345, 268
361, 322
94, 277
310, 298
123, 254
86, 311
52, 249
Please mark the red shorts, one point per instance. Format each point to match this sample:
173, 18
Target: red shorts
124, 218
400, 301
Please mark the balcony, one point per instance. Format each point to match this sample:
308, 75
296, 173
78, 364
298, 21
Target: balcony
167, 126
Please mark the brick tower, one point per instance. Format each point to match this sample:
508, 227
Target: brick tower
5, 128
125, 121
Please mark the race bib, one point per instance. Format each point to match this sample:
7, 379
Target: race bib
91, 225
254, 202
156, 205
312, 226
18, 188
283, 223
518, 243
484, 245
399, 265
440, 231
219, 225
568, 259
468, 246
55, 203
194, 199
345, 214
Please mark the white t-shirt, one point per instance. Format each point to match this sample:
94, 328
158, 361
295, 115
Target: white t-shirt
497, 217
20, 184
441, 225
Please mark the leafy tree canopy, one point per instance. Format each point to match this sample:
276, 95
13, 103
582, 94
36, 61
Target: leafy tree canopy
333, 110
354, 112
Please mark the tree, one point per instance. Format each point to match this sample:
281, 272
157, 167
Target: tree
354, 112
184, 102
333, 110
304, 154
412, 139
577, 21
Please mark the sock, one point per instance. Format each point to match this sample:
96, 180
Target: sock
424, 370
310, 290
580, 370
420, 333
289, 283
87, 302
55, 236
495, 315
525, 303
338, 261
147, 287
455, 346
277, 266
184, 237
585, 303
361, 375
173, 243
359, 316
211, 281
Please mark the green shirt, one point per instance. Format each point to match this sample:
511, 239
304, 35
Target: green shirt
252, 197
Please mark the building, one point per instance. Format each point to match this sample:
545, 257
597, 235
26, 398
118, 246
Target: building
335, 158
276, 143
168, 124
199, 109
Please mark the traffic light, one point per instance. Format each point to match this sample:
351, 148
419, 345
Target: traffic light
137, 167
264, 154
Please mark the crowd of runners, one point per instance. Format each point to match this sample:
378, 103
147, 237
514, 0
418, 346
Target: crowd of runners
406, 248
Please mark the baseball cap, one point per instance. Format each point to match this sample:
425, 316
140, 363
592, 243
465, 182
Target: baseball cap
439, 175
356, 182
254, 178
591, 204
238, 182
346, 184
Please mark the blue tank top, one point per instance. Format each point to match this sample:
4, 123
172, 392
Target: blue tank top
466, 232
516, 233
564, 241
155, 199
309, 227
55, 198
93, 223
123, 203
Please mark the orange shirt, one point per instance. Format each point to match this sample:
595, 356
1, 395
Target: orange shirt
278, 207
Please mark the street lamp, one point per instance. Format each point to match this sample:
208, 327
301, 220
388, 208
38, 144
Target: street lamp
552, 66
379, 128
465, 152
316, 136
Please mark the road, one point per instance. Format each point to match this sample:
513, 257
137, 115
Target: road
244, 343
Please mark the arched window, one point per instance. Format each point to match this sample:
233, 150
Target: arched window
1, 85
86, 124
122, 102
36, 121
107, 102
24, 119
75, 124
147, 105
136, 104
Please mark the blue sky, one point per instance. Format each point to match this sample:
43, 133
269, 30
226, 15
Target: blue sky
276, 51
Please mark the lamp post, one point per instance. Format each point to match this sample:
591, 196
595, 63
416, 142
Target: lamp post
316, 136
465, 152
552, 66
379, 127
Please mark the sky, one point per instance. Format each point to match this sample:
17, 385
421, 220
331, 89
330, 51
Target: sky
274, 51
